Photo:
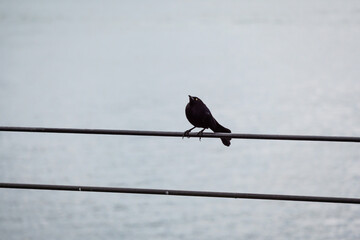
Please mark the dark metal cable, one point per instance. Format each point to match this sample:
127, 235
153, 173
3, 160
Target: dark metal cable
182, 193
180, 134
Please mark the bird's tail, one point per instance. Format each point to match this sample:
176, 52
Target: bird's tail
221, 129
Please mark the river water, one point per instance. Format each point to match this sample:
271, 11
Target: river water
275, 67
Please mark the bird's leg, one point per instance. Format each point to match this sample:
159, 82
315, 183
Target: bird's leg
186, 133
200, 134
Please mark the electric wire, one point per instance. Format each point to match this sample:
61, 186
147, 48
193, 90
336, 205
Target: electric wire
181, 134
169, 192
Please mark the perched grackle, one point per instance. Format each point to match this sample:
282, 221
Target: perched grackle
200, 116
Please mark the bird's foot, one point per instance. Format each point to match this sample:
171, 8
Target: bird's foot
186, 133
200, 134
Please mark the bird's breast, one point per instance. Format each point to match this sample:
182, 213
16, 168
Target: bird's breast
199, 116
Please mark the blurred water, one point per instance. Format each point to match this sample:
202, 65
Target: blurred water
284, 67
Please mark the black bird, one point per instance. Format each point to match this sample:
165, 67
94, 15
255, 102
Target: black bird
200, 116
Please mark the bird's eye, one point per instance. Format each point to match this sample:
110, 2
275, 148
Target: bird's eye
196, 99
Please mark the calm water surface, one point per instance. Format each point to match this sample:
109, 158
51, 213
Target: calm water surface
262, 67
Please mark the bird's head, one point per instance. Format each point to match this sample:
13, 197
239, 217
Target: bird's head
193, 99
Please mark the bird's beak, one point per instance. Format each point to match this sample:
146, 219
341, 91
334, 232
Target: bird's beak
191, 98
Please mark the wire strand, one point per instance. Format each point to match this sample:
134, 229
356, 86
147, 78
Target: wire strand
181, 134
182, 193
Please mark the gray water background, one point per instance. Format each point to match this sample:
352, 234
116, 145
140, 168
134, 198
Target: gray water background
277, 67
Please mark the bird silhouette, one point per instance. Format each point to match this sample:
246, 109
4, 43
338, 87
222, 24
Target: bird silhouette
200, 116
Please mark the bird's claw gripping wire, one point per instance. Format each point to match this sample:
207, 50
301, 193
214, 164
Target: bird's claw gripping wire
186, 133
200, 134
